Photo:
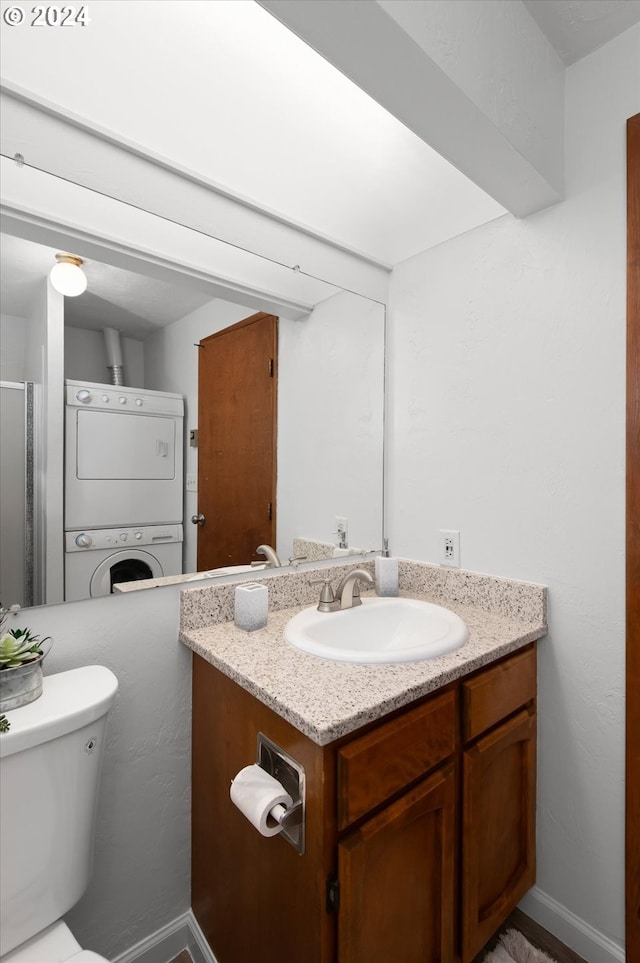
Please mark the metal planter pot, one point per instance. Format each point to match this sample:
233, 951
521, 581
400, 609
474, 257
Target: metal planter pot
22, 684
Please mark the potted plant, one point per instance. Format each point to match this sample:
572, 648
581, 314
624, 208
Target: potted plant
21, 655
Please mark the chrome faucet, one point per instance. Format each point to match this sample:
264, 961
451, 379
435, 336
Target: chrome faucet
348, 590
272, 559
347, 594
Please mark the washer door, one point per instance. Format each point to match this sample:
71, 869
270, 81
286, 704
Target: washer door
127, 566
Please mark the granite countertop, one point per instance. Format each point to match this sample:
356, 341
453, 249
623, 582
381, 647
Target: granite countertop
327, 700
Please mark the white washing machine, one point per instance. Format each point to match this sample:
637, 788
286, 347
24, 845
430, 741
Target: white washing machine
97, 559
123, 456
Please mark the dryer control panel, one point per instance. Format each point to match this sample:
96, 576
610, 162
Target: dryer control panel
93, 539
85, 394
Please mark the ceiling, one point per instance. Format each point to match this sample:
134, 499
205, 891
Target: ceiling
114, 297
251, 107
575, 28
225, 90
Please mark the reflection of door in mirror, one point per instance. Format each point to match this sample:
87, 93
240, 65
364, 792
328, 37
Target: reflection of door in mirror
237, 403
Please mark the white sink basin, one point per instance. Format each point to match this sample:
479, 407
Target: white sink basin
379, 630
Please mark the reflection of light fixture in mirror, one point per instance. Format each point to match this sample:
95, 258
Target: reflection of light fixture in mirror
67, 276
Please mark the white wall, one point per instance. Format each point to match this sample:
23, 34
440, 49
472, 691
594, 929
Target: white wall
330, 400
85, 358
13, 339
507, 360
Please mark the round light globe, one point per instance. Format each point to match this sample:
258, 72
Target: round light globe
68, 278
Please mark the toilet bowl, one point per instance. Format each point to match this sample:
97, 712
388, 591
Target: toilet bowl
55, 944
50, 761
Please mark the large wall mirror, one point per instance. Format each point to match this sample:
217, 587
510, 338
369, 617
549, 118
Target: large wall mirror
162, 296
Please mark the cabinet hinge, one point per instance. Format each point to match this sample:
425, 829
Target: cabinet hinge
269, 511
271, 367
333, 895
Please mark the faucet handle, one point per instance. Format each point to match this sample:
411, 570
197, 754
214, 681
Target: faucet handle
326, 594
327, 598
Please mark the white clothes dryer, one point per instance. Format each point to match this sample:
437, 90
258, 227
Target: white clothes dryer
123, 456
97, 559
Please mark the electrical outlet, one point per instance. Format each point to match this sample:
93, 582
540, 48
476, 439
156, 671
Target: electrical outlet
342, 530
450, 548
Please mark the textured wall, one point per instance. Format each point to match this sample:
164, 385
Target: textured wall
507, 411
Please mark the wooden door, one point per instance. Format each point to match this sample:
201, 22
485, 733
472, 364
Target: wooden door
396, 880
237, 399
498, 828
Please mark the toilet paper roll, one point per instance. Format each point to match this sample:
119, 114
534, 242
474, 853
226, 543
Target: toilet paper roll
256, 793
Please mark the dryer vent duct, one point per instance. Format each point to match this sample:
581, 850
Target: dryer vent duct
114, 355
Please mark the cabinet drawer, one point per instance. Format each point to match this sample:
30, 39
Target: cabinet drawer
379, 764
497, 692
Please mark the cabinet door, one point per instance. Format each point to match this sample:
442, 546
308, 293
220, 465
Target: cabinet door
498, 830
396, 880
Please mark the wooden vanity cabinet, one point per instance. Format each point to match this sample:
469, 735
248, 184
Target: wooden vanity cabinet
396, 867
420, 831
396, 876
498, 796
254, 897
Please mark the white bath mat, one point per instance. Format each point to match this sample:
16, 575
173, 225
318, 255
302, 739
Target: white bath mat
514, 948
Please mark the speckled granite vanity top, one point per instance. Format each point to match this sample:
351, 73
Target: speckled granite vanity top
328, 700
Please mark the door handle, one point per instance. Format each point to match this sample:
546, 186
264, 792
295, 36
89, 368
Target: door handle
198, 519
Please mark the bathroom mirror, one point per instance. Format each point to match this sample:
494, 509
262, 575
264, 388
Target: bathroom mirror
165, 288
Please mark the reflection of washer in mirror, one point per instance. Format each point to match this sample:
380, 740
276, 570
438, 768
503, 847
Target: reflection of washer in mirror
98, 560
129, 570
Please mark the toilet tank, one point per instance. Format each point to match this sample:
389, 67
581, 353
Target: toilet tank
49, 772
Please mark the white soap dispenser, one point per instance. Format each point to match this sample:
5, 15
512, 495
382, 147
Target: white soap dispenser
386, 572
251, 606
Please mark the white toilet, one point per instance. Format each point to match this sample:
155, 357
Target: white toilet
49, 771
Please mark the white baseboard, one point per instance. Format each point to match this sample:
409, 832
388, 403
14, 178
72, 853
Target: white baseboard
574, 932
183, 933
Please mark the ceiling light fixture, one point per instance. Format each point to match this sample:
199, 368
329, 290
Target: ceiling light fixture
67, 276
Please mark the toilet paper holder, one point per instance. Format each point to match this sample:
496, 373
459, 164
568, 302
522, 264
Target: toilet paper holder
290, 774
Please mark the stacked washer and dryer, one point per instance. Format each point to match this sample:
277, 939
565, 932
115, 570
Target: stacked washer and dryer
123, 486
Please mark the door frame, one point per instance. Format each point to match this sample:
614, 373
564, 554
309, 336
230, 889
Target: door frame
632, 782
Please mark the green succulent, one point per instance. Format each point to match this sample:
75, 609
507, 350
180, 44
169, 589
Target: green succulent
19, 646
